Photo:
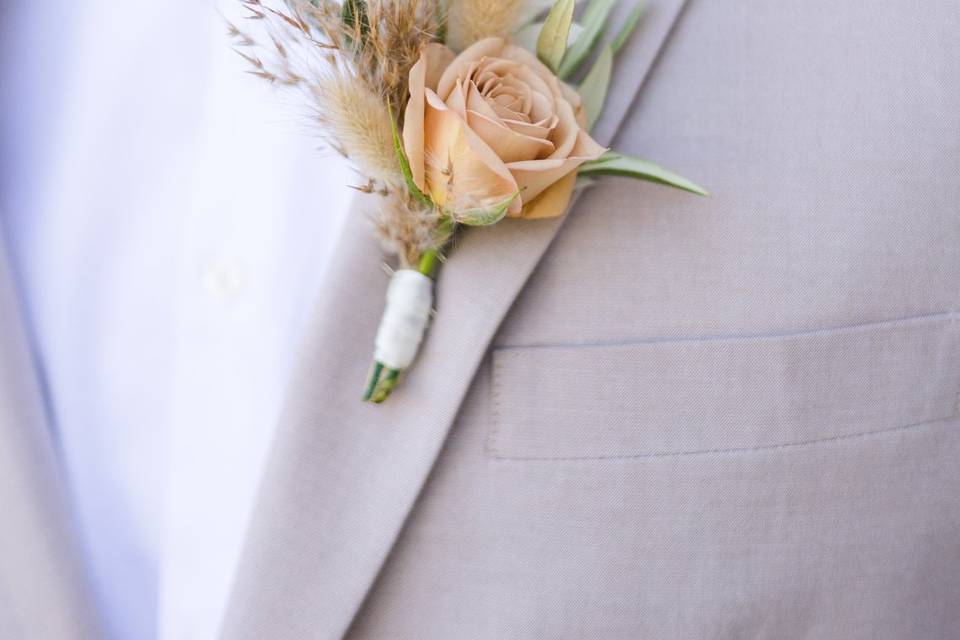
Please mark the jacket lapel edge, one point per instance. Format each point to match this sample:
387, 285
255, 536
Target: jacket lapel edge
350, 473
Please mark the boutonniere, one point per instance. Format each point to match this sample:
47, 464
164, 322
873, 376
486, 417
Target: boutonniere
458, 113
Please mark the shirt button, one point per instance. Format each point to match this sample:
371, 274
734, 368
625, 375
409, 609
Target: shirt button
225, 279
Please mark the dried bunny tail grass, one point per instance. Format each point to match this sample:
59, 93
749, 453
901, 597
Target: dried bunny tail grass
351, 68
358, 122
472, 20
302, 46
408, 228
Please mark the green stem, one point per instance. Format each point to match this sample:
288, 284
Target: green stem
428, 262
373, 379
386, 385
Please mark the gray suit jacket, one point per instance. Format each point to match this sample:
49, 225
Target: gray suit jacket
662, 417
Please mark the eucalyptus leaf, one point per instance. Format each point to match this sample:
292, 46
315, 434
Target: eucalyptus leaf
531, 10
593, 89
527, 36
484, 216
405, 164
628, 26
552, 42
616, 164
593, 21
583, 182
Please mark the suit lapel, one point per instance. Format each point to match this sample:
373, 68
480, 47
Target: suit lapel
635, 60
42, 592
343, 475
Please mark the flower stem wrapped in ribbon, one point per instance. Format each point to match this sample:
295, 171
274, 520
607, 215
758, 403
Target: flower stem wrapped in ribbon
489, 132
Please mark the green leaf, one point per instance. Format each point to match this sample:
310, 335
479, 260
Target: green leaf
593, 89
593, 21
531, 10
527, 36
615, 164
484, 216
552, 43
405, 163
627, 29
583, 182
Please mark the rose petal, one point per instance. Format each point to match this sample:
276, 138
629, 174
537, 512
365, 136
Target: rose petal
475, 102
413, 121
509, 145
438, 57
434, 58
552, 202
527, 129
530, 61
513, 93
496, 111
534, 176
587, 147
462, 171
506, 68
504, 113
457, 100
566, 131
541, 107
457, 69
486, 80
509, 103
548, 90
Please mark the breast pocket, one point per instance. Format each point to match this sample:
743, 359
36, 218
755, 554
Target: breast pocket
723, 395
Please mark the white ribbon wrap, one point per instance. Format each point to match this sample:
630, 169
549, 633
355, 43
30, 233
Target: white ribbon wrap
409, 300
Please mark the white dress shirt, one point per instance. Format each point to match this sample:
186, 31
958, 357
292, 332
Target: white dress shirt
170, 218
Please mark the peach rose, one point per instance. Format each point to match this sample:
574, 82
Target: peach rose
490, 126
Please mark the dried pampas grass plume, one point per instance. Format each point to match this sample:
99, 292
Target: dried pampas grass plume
472, 20
398, 31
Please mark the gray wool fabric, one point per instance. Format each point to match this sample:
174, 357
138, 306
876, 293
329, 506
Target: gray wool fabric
663, 416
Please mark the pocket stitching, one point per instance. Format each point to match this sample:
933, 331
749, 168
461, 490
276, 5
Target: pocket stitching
732, 450
495, 409
494, 428
493, 440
